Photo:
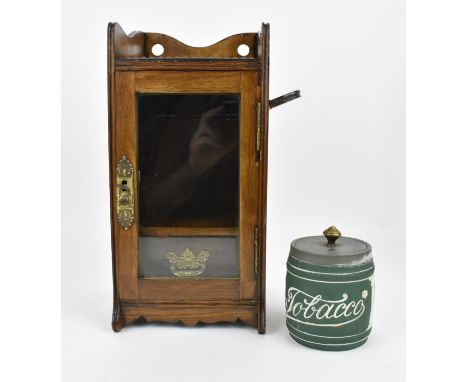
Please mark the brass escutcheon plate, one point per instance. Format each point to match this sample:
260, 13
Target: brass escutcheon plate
124, 192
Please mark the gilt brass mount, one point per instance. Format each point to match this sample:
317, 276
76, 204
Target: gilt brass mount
256, 249
187, 264
124, 193
259, 132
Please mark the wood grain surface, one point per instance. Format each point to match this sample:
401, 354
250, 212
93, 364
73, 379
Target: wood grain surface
218, 68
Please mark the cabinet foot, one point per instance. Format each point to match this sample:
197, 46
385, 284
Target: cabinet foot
117, 320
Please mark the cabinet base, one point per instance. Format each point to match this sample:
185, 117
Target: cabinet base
189, 314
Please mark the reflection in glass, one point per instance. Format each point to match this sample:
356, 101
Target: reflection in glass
188, 158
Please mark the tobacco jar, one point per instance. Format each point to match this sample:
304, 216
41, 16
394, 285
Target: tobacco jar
329, 291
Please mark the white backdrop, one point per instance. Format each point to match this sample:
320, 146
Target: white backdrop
336, 156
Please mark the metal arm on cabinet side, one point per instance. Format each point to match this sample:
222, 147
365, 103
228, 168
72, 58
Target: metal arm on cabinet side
284, 98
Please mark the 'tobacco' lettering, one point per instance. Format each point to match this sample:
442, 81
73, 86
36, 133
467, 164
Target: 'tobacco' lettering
310, 308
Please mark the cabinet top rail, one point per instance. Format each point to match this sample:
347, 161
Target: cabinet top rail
157, 48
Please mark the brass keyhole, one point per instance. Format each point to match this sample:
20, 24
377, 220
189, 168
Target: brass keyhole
124, 187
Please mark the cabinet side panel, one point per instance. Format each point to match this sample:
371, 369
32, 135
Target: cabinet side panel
116, 322
126, 241
265, 49
249, 175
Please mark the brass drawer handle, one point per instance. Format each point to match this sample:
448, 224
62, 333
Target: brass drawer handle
187, 264
125, 204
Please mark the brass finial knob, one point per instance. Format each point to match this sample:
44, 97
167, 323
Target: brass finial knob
332, 234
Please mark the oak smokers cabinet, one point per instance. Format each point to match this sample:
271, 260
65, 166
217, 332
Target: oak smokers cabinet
188, 171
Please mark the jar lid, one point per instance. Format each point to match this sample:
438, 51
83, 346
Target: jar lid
331, 249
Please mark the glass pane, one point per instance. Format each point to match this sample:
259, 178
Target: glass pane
188, 158
211, 257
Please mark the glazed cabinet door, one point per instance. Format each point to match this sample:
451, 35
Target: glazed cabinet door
186, 185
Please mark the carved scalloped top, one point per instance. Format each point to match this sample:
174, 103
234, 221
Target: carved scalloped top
139, 45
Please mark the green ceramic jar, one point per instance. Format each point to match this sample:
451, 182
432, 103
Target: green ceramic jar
329, 291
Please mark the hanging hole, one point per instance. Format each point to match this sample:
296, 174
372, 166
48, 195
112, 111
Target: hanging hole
157, 49
243, 50
124, 182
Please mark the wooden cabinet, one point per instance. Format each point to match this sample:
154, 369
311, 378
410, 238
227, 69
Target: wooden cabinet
188, 169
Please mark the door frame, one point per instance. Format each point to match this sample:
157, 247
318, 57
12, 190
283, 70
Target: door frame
124, 143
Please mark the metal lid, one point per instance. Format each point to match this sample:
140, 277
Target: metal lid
328, 250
